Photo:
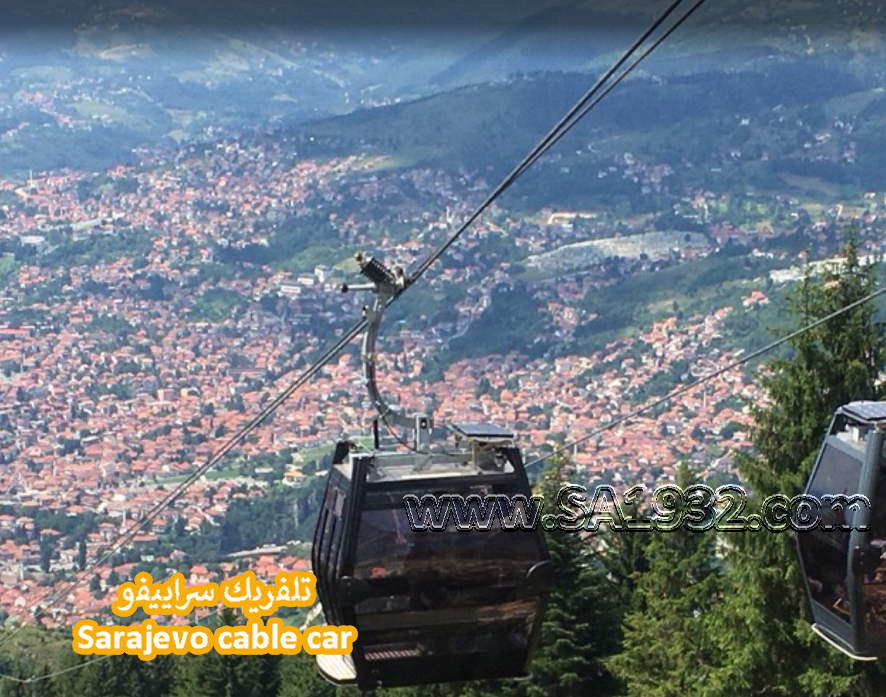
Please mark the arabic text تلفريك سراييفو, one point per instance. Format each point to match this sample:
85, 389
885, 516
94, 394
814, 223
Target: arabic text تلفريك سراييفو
296, 589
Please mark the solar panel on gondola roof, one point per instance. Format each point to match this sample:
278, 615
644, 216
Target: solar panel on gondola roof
867, 411
474, 430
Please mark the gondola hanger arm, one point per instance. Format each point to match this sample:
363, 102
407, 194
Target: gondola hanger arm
385, 284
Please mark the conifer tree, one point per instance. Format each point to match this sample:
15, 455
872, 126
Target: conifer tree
216, 675
109, 677
667, 651
762, 625
580, 628
625, 554
22, 670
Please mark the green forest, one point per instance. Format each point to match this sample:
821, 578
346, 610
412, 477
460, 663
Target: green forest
635, 614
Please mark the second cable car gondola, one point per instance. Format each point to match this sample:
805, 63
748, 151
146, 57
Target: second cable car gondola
431, 601
843, 554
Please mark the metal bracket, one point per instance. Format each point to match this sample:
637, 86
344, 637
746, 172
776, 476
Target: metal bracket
385, 284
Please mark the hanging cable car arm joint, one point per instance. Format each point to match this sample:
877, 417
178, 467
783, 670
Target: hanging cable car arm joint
385, 285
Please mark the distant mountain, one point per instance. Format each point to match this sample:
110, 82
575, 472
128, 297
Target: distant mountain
82, 83
784, 125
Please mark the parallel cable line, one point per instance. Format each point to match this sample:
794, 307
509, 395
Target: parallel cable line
561, 128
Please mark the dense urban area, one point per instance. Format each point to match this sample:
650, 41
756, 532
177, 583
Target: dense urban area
176, 229
167, 329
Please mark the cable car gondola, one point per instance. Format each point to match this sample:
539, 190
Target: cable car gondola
429, 605
843, 556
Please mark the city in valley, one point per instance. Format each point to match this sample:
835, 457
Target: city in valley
154, 305
125, 371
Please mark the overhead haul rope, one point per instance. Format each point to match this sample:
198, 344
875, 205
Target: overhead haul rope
590, 99
587, 102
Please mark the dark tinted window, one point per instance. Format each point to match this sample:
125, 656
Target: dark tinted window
430, 570
824, 563
837, 473
825, 550
387, 544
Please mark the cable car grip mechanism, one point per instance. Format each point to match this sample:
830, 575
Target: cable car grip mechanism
385, 284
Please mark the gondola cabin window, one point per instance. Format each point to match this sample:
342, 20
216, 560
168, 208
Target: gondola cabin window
825, 549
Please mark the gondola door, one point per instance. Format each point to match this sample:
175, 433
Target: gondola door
868, 553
